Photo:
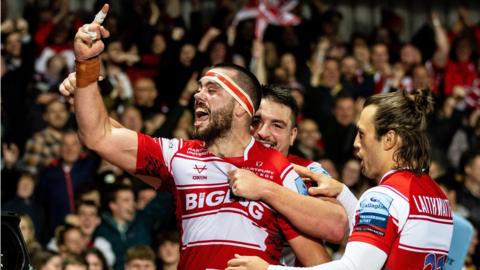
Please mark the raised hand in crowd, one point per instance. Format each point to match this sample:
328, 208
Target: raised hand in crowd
10, 154
210, 35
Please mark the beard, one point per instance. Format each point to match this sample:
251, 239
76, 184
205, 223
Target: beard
220, 124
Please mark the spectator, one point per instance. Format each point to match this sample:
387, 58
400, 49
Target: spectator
320, 96
47, 260
27, 229
57, 183
308, 137
354, 78
352, 177
140, 257
95, 259
382, 69
10, 171
123, 226
168, 250
89, 192
44, 147
88, 221
145, 92
469, 194
117, 86
74, 262
338, 132
460, 70
24, 203
69, 240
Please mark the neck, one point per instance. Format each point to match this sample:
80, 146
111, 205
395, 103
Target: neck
473, 186
387, 166
306, 151
233, 144
119, 221
172, 266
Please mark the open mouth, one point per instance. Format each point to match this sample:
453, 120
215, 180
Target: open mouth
268, 144
201, 115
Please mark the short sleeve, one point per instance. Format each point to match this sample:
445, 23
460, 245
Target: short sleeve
317, 168
153, 156
377, 219
291, 180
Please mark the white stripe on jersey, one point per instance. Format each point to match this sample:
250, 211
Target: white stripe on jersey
287, 169
288, 177
188, 187
247, 149
400, 246
424, 234
169, 147
209, 158
199, 230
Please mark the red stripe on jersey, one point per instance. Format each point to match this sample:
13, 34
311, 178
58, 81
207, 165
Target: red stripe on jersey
221, 242
286, 172
396, 192
423, 249
435, 220
202, 185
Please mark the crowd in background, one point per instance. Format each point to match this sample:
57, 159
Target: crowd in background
77, 208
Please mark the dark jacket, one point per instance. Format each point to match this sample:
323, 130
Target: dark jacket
139, 231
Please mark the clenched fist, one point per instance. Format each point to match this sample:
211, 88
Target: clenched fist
246, 184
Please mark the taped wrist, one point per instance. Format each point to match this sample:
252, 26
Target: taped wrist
87, 71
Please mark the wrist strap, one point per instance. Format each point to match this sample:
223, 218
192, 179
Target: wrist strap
87, 72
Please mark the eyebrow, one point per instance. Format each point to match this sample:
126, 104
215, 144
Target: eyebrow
209, 83
279, 122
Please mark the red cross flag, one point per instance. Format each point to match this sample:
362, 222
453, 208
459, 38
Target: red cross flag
277, 12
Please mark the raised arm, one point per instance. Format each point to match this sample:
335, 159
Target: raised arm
69, 89
441, 40
313, 216
115, 144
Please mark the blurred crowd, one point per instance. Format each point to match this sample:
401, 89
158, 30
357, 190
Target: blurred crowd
78, 209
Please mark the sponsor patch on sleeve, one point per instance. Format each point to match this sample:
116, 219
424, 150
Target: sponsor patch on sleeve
301, 187
374, 212
317, 168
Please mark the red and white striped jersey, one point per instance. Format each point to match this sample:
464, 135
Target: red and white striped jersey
214, 224
409, 218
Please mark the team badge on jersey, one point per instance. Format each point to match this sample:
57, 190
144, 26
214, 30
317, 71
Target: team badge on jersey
373, 216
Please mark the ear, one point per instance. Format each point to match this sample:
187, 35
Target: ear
293, 135
238, 111
391, 140
467, 169
112, 206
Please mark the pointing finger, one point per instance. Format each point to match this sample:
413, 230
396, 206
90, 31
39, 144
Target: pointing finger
100, 17
302, 171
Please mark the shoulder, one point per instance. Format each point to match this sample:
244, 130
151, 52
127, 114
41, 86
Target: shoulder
274, 158
399, 181
310, 164
298, 160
